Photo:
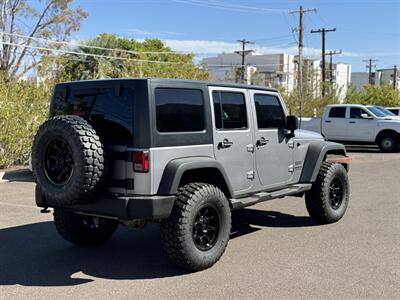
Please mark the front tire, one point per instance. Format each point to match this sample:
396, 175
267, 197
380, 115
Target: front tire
196, 234
388, 143
328, 198
83, 230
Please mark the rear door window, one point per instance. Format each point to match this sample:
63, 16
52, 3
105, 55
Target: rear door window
229, 110
179, 110
337, 112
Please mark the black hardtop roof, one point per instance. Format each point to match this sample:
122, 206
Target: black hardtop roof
173, 82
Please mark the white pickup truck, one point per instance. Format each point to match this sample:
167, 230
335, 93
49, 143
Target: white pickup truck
354, 123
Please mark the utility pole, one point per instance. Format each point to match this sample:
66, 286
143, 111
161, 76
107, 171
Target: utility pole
243, 54
323, 31
301, 11
394, 77
370, 61
331, 53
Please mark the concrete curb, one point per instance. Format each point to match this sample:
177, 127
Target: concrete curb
1, 177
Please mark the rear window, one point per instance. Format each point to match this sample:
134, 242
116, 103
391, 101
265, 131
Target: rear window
179, 110
395, 111
337, 112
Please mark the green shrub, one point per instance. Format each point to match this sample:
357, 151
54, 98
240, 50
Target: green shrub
23, 107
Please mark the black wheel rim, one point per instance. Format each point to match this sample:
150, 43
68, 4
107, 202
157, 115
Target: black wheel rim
206, 228
387, 143
336, 193
58, 162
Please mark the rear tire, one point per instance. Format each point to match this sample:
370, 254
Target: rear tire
328, 198
83, 230
388, 142
196, 234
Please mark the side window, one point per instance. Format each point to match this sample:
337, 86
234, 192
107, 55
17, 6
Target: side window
269, 111
179, 110
229, 110
337, 112
355, 112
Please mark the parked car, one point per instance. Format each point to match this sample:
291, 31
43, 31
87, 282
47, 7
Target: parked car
354, 123
382, 112
180, 153
395, 110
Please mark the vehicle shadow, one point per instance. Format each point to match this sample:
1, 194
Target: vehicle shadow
244, 220
35, 255
21, 175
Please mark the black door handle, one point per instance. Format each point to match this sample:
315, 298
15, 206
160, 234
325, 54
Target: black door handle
352, 122
328, 121
261, 142
224, 144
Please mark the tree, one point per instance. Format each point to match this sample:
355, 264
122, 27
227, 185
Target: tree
111, 56
22, 26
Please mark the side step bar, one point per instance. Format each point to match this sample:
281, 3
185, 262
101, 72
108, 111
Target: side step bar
265, 196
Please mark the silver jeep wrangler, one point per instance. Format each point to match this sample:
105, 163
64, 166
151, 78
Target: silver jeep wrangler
181, 153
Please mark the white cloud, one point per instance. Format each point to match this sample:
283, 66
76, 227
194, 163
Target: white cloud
209, 47
142, 32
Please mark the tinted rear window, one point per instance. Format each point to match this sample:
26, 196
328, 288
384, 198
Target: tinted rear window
337, 112
179, 110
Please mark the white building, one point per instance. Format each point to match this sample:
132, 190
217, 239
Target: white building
274, 70
359, 79
386, 76
277, 70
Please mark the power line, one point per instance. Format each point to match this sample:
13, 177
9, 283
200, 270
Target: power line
230, 7
323, 31
93, 47
243, 54
93, 55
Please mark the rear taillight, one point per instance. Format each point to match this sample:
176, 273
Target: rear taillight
140, 160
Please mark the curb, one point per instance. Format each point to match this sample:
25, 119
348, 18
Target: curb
1, 177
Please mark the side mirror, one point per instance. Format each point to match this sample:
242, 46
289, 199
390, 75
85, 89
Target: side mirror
366, 116
292, 123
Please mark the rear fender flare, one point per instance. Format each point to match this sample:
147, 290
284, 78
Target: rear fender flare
175, 169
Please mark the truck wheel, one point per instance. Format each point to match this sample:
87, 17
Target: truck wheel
388, 143
196, 234
83, 230
67, 160
328, 198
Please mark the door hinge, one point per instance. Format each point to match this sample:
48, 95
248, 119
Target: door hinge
250, 175
250, 148
290, 144
291, 168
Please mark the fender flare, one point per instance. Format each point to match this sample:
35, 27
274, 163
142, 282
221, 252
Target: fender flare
175, 169
315, 155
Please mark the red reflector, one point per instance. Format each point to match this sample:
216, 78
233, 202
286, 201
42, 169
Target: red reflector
140, 160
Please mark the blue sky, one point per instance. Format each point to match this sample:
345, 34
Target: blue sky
364, 28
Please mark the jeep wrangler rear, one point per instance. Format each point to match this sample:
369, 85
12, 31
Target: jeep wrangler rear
180, 153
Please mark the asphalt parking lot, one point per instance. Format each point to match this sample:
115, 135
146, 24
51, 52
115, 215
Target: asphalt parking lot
275, 251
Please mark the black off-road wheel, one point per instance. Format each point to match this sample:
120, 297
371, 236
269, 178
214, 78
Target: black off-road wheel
83, 230
67, 160
328, 198
196, 234
388, 142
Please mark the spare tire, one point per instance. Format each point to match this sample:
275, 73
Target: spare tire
67, 160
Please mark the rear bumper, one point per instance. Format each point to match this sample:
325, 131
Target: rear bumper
120, 207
